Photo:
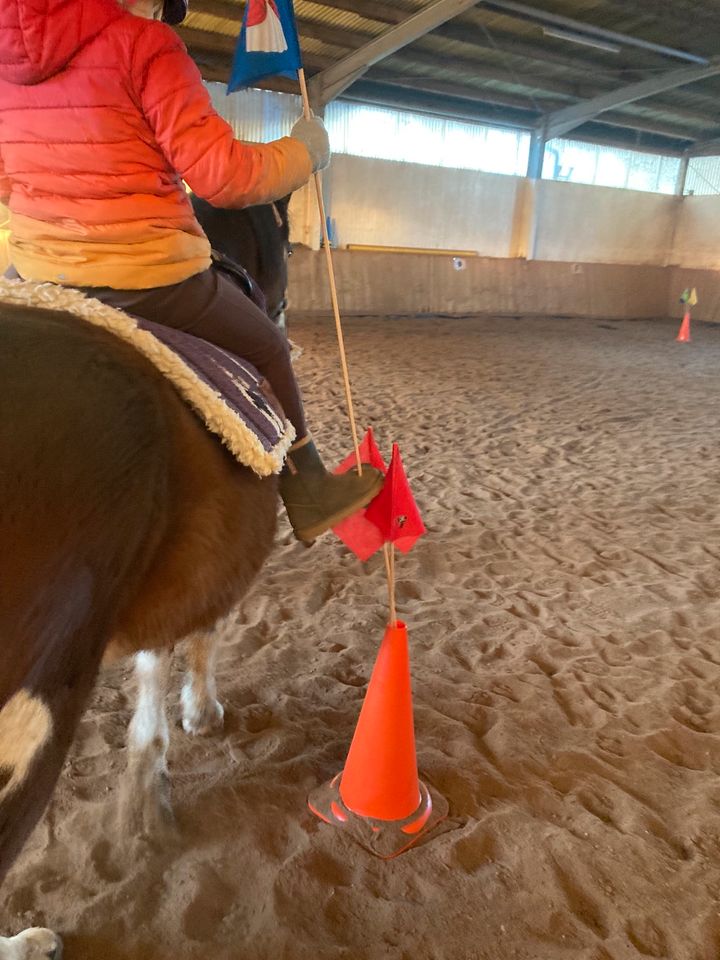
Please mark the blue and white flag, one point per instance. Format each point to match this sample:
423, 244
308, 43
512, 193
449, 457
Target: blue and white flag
268, 45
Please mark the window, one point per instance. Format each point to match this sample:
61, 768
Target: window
386, 133
703, 176
389, 134
579, 162
257, 115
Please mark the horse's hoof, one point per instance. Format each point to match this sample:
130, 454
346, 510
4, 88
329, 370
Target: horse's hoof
144, 807
146, 817
203, 719
33, 944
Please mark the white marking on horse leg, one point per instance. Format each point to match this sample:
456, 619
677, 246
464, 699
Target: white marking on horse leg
202, 713
149, 726
33, 944
145, 802
26, 725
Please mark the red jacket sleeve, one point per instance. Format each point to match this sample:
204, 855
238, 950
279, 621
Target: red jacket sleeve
197, 142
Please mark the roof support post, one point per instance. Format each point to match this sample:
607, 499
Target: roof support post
536, 154
682, 175
534, 186
525, 222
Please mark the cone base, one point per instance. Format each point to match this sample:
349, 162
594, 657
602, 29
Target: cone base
383, 838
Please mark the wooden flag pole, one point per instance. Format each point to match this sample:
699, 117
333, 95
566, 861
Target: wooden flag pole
333, 287
389, 551
388, 548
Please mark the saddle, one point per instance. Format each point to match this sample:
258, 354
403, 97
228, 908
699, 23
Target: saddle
228, 394
241, 277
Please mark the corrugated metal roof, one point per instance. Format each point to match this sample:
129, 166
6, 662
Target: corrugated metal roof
211, 24
343, 19
497, 60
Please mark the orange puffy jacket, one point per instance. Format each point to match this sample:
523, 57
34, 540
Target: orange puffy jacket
102, 115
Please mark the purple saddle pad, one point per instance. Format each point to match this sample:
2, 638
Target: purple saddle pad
248, 404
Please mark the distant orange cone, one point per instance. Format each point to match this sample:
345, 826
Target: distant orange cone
684, 332
379, 797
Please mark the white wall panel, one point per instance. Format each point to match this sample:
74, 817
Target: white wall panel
405, 204
603, 225
697, 237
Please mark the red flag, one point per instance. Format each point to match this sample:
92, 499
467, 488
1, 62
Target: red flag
357, 533
394, 511
369, 453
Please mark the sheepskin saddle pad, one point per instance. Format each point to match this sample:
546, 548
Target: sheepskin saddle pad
227, 393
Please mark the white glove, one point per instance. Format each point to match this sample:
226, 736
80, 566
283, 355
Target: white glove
313, 134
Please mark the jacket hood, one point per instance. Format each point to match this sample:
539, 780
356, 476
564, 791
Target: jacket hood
38, 38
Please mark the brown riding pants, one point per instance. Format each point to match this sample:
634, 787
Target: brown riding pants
210, 305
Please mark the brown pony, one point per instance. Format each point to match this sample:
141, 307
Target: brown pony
123, 523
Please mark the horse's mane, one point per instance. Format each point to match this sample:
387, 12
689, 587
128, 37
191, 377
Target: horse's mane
256, 238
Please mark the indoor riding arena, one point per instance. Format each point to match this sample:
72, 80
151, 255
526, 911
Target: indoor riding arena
523, 216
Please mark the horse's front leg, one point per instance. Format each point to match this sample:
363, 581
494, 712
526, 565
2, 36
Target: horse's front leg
201, 712
145, 794
33, 944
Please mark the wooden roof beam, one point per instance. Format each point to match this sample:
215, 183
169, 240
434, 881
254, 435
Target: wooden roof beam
498, 98
533, 88
414, 58
461, 31
524, 12
674, 14
428, 59
369, 91
449, 100
417, 60
206, 40
466, 30
366, 91
331, 82
568, 118
705, 148
458, 91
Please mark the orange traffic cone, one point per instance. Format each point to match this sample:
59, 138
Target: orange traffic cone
378, 797
684, 331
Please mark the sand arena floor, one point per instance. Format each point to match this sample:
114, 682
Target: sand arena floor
564, 619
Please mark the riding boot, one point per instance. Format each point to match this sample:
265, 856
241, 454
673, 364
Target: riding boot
316, 500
